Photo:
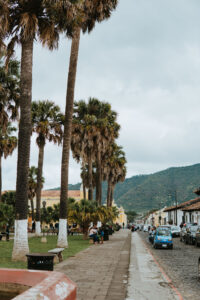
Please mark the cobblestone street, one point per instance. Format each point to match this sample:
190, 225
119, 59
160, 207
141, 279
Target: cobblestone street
180, 264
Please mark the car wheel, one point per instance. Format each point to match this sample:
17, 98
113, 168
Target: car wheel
199, 268
171, 247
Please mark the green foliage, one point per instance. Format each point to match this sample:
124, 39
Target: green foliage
131, 215
7, 215
9, 198
146, 192
7, 209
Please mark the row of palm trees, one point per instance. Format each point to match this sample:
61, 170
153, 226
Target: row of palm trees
94, 131
22, 22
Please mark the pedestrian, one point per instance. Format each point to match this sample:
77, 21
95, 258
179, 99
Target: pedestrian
33, 226
7, 232
101, 232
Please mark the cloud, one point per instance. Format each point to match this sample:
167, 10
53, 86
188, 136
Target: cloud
145, 61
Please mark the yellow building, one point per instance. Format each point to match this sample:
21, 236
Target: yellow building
122, 217
51, 197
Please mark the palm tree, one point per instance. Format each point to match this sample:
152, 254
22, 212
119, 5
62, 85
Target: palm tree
9, 91
32, 185
91, 12
8, 143
115, 170
94, 128
83, 213
22, 22
47, 123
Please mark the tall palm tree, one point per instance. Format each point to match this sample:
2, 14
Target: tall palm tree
47, 122
94, 129
115, 170
32, 186
90, 13
9, 91
22, 22
8, 143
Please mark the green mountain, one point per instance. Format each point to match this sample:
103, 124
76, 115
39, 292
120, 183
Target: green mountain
145, 192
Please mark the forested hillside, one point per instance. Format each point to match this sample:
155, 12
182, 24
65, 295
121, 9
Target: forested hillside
145, 192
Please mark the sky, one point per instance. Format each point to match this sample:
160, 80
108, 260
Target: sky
145, 61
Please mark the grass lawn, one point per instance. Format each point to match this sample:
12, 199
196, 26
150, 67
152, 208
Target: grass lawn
76, 244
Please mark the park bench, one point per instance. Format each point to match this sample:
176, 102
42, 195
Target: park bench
74, 231
58, 252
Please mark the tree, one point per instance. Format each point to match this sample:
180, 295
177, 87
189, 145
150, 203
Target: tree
83, 213
131, 215
90, 12
8, 143
9, 198
9, 91
22, 22
7, 209
32, 186
94, 128
115, 170
47, 123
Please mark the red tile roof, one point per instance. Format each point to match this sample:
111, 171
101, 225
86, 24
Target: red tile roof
195, 206
183, 205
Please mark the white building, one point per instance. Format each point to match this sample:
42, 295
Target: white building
192, 213
178, 214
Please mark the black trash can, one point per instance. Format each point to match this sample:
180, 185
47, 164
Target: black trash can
110, 231
106, 235
40, 261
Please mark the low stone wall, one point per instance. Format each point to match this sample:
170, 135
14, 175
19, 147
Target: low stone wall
34, 285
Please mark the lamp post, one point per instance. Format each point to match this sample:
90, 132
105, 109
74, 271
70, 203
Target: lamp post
176, 206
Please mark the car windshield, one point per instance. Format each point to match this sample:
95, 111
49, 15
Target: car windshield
175, 228
163, 232
194, 228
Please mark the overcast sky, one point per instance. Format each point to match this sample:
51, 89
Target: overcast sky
145, 61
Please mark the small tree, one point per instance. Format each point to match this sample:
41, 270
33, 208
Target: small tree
83, 213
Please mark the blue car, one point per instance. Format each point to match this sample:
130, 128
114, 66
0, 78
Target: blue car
163, 238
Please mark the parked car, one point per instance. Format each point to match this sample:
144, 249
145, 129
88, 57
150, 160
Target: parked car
145, 228
190, 237
175, 231
197, 241
163, 238
165, 227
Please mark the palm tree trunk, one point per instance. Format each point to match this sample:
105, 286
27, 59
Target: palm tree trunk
108, 193
84, 191
112, 195
90, 191
38, 190
32, 209
62, 236
20, 247
98, 179
0, 177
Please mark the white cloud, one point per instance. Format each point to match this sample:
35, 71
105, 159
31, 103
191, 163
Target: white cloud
145, 61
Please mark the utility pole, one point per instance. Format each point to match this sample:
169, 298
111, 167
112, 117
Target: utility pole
176, 207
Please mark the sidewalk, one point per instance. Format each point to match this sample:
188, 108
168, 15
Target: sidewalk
100, 271
147, 281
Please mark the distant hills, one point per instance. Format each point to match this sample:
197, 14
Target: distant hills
145, 192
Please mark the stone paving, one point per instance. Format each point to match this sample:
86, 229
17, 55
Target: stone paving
101, 271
